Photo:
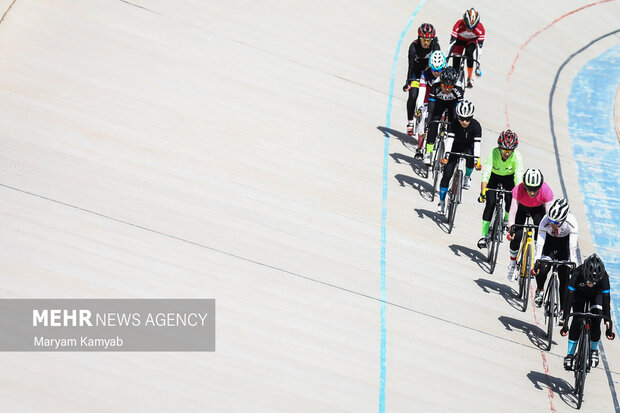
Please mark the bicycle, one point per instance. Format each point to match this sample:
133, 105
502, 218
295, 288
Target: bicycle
496, 228
551, 300
525, 256
581, 363
453, 198
461, 71
438, 153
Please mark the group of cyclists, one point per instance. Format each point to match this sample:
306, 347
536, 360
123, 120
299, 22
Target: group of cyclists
433, 89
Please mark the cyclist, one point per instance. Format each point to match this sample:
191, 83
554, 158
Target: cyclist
444, 96
557, 239
589, 284
531, 197
504, 165
464, 136
436, 63
419, 53
468, 36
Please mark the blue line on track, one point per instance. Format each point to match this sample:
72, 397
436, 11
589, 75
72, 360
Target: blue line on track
596, 152
386, 148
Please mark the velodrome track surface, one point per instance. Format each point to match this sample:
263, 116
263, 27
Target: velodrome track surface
235, 150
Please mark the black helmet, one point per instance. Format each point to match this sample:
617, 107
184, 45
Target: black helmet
593, 269
448, 76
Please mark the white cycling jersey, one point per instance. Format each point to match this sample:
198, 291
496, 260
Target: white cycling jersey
568, 229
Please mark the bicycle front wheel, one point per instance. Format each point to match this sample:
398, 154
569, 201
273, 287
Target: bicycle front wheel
551, 309
526, 267
454, 200
495, 241
581, 365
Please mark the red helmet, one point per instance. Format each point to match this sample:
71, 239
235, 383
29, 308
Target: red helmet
426, 31
508, 140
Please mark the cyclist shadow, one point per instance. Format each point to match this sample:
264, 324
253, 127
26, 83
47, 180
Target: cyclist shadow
421, 186
474, 255
417, 165
438, 219
504, 290
407, 141
559, 386
534, 333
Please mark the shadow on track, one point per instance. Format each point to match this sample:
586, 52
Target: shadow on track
535, 334
557, 385
438, 219
473, 254
504, 290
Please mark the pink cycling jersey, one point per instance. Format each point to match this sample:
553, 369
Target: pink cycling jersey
520, 196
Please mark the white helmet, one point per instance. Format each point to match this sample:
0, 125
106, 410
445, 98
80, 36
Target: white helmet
558, 210
532, 179
465, 109
437, 61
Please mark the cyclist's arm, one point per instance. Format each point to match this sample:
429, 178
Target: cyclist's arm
514, 206
422, 93
572, 236
487, 169
542, 237
477, 140
605, 291
412, 57
449, 142
518, 167
569, 298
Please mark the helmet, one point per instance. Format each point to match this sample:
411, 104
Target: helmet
448, 76
437, 61
426, 31
533, 179
559, 210
593, 269
508, 140
471, 18
465, 109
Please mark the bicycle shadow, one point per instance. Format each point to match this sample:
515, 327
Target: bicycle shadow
407, 141
507, 293
473, 254
419, 185
559, 386
417, 165
438, 219
535, 334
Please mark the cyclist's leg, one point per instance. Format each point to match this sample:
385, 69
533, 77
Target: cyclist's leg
520, 217
438, 109
448, 171
595, 329
469, 52
457, 49
489, 206
573, 335
420, 127
509, 183
411, 101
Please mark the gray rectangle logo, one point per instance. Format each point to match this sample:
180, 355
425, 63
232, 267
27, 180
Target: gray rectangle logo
107, 325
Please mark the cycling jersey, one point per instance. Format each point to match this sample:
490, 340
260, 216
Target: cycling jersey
461, 32
460, 138
496, 165
578, 291
520, 197
426, 81
418, 58
569, 228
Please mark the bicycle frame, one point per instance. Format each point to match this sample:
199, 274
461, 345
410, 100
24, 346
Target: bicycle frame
581, 365
461, 71
455, 190
436, 166
525, 256
496, 229
551, 300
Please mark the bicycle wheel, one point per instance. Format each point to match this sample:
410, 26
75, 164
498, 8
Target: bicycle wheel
454, 199
496, 239
526, 267
551, 309
581, 365
437, 166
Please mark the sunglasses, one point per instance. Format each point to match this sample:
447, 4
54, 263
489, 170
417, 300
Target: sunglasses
436, 71
424, 39
447, 86
556, 223
506, 151
465, 119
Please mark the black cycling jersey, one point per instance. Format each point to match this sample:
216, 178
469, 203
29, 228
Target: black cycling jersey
578, 290
418, 58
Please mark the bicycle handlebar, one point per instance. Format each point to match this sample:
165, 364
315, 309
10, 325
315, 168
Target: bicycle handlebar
555, 262
458, 56
464, 155
500, 190
439, 121
530, 226
587, 315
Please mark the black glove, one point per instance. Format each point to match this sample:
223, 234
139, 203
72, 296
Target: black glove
482, 198
564, 330
406, 87
610, 334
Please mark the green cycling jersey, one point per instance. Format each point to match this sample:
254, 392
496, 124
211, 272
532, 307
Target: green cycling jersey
495, 164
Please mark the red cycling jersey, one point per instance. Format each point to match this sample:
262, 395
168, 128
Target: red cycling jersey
462, 33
